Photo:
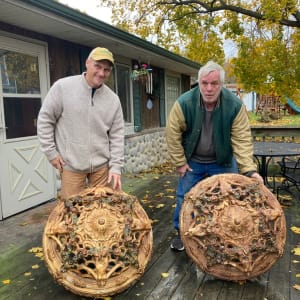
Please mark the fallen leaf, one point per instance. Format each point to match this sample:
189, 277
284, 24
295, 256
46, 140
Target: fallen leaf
23, 224
159, 195
297, 275
6, 281
155, 221
35, 249
296, 251
171, 197
39, 255
164, 275
160, 205
27, 274
295, 261
170, 190
297, 287
295, 229
35, 266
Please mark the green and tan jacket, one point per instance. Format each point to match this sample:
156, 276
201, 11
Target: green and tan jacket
231, 132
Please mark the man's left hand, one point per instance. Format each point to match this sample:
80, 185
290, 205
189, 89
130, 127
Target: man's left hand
256, 176
115, 179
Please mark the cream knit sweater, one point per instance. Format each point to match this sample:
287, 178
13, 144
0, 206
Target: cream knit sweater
88, 132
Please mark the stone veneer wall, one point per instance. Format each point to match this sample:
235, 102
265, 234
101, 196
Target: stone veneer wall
145, 150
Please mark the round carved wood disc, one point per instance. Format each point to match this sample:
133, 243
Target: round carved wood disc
97, 243
232, 227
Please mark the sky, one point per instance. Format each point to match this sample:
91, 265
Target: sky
91, 8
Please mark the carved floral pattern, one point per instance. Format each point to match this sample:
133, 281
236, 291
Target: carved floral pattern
232, 227
97, 243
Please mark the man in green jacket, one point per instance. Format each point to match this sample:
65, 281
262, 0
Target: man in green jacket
208, 133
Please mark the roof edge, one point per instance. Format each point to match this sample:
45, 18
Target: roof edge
76, 16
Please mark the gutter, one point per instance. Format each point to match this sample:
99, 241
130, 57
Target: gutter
85, 20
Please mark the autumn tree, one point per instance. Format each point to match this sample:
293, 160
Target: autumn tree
266, 34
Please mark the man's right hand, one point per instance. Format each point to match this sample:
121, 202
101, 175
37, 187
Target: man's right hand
58, 163
183, 169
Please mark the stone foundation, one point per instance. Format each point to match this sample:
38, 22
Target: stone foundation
145, 150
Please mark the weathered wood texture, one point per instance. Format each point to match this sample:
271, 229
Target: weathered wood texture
20, 233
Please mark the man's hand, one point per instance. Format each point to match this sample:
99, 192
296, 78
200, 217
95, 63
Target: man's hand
58, 163
256, 176
116, 178
183, 169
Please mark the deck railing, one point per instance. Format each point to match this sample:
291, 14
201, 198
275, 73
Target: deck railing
276, 134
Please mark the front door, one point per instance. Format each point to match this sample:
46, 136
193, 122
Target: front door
26, 177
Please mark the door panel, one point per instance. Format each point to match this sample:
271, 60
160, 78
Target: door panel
27, 179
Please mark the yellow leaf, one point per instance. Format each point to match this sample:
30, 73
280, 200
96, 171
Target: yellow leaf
295, 229
295, 261
171, 197
174, 205
160, 205
155, 221
164, 275
6, 281
39, 255
297, 287
156, 177
35, 250
170, 190
27, 274
296, 251
297, 275
23, 224
159, 195
35, 266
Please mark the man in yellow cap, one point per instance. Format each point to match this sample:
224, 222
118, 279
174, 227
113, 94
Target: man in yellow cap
81, 127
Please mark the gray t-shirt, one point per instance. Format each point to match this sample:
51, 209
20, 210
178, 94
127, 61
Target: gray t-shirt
205, 150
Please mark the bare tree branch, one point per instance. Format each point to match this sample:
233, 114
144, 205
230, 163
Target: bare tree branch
205, 7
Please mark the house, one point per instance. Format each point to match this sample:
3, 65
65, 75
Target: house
42, 41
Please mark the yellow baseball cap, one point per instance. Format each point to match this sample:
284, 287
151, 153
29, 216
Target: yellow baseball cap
101, 54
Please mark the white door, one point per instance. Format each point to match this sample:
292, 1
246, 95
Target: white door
26, 177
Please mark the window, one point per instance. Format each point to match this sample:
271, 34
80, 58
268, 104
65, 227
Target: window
21, 92
119, 82
172, 91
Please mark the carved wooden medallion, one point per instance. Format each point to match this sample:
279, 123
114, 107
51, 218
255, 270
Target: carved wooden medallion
232, 227
97, 243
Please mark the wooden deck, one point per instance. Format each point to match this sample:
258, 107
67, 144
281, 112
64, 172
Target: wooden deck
185, 280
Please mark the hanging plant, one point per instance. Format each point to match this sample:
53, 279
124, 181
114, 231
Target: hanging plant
140, 72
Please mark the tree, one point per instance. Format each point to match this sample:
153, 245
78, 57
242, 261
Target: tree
266, 34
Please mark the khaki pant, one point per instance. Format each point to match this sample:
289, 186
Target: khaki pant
74, 182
